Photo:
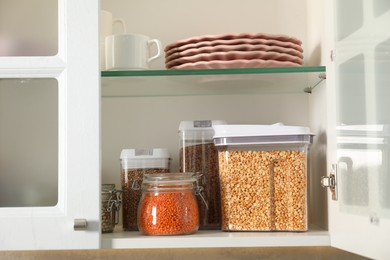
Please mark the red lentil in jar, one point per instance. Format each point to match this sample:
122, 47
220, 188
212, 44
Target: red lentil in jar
168, 205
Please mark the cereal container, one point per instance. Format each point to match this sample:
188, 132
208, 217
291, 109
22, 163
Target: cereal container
111, 202
168, 205
199, 155
263, 171
135, 163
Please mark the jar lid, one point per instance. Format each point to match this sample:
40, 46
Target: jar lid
108, 187
169, 178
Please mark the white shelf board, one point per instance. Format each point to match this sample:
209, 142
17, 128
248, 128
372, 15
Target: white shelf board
217, 239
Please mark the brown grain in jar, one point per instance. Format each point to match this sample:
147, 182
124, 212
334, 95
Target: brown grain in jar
263, 175
135, 164
199, 155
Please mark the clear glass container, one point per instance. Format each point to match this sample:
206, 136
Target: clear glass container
168, 205
135, 163
199, 155
111, 202
263, 171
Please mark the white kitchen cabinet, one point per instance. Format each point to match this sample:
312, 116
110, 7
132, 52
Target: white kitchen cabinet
152, 103
144, 108
65, 75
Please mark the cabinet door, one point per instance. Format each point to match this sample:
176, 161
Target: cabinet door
359, 130
49, 107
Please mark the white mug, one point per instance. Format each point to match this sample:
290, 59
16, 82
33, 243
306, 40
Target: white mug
106, 23
130, 51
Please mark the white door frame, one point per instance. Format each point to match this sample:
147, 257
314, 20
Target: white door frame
76, 68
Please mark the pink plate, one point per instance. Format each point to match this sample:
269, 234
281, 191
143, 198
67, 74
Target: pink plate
230, 48
279, 37
223, 64
235, 55
233, 42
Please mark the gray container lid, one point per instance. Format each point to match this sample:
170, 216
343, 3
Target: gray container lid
145, 158
199, 128
138, 153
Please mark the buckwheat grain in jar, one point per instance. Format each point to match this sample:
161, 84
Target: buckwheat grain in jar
135, 163
199, 155
168, 205
263, 170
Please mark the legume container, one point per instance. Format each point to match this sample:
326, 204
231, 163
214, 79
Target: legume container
111, 202
168, 205
135, 163
199, 155
263, 171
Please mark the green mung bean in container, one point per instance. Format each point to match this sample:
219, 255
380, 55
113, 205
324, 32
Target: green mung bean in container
110, 206
134, 164
263, 172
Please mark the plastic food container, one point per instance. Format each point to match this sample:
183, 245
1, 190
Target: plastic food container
263, 170
199, 155
168, 205
135, 163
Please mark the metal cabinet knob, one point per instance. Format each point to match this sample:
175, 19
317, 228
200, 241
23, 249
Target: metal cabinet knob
80, 224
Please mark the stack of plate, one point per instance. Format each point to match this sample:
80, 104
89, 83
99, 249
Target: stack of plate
243, 50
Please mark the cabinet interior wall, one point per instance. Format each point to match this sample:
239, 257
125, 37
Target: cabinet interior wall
152, 122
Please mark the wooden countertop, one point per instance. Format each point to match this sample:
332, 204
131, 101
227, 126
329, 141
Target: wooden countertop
187, 254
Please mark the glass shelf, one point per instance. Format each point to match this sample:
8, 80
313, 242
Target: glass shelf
139, 83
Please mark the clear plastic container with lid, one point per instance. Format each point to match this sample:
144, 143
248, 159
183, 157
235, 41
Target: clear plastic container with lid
263, 170
199, 155
168, 205
134, 164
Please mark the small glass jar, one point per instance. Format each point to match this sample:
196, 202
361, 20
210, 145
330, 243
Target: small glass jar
111, 202
168, 205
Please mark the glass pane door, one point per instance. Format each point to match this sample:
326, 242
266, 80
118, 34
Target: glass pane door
361, 222
28, 142
28, 27
362, 95
49, 125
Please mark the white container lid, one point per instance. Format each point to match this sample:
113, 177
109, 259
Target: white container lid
145, 158
261, 134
